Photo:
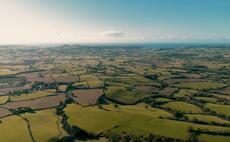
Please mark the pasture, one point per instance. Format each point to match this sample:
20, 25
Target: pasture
137, 120
45, 124
182, 106
220, 109
122, 95
32, 96
201, 85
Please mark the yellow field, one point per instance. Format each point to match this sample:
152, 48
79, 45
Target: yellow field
81, 84
62, 87
92, 80
33, 95
45, 124
6, 72
3, 99
13, 129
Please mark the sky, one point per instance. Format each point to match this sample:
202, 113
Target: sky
114, 21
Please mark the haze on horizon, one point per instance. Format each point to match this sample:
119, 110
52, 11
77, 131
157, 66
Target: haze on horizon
114, 21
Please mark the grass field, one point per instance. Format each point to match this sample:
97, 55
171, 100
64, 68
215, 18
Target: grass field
92, 80
137, 120
185, 93
207, 99
162, 100
222, 96
14, 128
183, 107
45, 124
122, 95
3, 99
201, 85
33, 95
167, 91
207, 118
221, 109
211, 138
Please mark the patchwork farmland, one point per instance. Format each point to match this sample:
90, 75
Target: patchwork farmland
76, 93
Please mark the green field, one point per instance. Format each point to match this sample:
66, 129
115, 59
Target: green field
183, 107
201, 85
45, 124
185, 93
207, 99
212, 138
207, 118
162, 100
33, 95
220, 109
122, 95
137, 120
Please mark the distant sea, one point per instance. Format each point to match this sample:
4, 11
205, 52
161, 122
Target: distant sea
163, 45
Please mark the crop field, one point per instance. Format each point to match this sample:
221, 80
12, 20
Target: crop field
3, 99
221, 109
207, 99
183, 107
62, 88
201, 85
32, 96
206, 118
8, 126
92, 81
222, 96
6, 72
114, 93
4, 112
40, 103
147, 89
81, 85
87, 97
185, 93
136, 120
162, 100
168, 91
45, 124
121, 94
212, 138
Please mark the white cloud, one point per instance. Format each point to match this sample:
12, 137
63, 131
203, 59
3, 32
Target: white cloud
113, 33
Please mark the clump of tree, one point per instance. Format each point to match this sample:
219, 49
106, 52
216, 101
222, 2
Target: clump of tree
125, 137
21, 110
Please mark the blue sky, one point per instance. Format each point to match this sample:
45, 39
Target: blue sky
57, 21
